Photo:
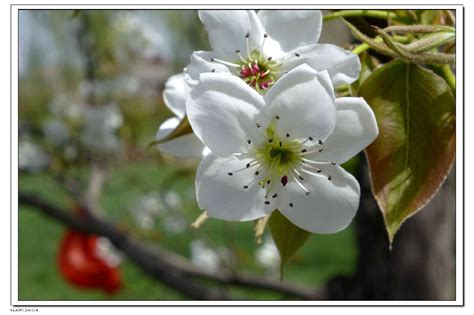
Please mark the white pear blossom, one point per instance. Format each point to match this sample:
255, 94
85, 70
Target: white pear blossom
280, 150
260, 47
184, 146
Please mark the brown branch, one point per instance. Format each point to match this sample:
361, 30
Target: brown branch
171, 269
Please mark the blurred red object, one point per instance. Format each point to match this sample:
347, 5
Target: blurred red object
82, 266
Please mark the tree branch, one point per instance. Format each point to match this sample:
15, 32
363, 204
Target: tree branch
171, 269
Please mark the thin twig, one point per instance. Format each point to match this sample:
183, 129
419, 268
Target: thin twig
173, 270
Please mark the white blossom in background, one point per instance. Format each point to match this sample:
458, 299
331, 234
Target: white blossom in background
204, 257
146, 209
107, 251
280, 150
267, 255
184, 146
31, 157
261, 47
99, 132
56, 132
175, 223
172, 200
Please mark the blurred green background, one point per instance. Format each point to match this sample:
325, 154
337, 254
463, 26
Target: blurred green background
113, 64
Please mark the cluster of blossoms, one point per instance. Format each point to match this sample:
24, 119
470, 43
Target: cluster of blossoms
266, 120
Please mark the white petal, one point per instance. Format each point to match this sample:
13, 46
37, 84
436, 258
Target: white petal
184, 146
201, 63
227, 30
292, 28
343, 65
174, 96
331, 204
222, 110
356, 128
304, 101
223, 196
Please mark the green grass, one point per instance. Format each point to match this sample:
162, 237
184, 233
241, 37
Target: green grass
321, 258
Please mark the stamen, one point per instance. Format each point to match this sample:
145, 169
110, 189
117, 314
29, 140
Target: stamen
277, 117
267, 202
287, 135
230, 64
270, 140
249, 141
275, 195
261, 46
296, 54
240, 56
300, 184
329, 177
291, 204
247, 44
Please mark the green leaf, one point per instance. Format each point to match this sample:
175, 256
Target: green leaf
411, 157
287, 236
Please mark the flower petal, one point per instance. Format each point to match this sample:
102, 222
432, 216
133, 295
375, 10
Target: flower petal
201, 63
223, 196
303, 99
222, 110
343, 65
331, 204
174, 96
227, 30
184, 146
292, 28
356, 128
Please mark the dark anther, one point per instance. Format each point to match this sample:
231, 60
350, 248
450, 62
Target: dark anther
284, 180
291, 204
256, 173
265, 35
213, 70
310, 138
320, 141
230, 174
287, 135
277, 117
267, 202
247, 35
212, 59
329, 177
280, 144
270, 58
301, 177
248, 165
320, 150
303, 151
270, 140
245, 187
333, 163
258, 125
268, 182
249, 142
275, 195
237, 51
318, 171
296, 54
307, 193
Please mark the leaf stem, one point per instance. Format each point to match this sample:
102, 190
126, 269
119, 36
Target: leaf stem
364, 46
449, 76
378, 14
